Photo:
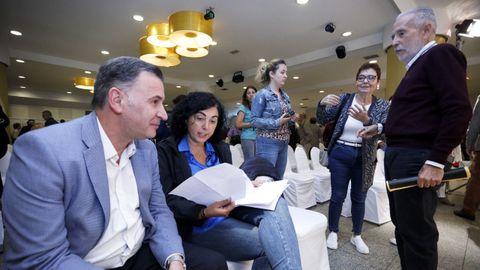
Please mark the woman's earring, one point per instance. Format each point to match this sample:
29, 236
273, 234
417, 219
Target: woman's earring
378, 87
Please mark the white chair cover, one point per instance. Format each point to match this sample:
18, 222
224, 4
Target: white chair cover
237, 158
310, 228
5, 162
377, 207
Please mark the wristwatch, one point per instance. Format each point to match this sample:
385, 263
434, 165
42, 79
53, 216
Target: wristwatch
175, 257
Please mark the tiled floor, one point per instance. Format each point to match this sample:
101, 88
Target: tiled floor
458, 246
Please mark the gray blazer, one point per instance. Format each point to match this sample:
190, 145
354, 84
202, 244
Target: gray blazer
473, 134
377, 112
56, 202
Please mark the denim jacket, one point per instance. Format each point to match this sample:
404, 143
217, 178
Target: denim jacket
266, 109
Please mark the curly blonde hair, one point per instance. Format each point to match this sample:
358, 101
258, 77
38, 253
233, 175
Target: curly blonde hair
263, 71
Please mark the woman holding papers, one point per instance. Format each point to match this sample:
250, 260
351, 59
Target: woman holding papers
240, 233
351, 158
272, 114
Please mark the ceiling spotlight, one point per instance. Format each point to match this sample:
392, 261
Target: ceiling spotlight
302, 2
346, 34
219, 82
105, 52
15, 32
138, 18
68, 92
373, 61
261, 60
21, 77
211, 76
23, 87
209, 14
295, 77
87, 72
20, 61
178, 86
321, 91
330, 27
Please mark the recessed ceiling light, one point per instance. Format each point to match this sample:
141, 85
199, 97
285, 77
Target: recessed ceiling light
295, 77
301, 103
468, 78
321, 91
261, 60
15, 32
87, 72
178, 86
373, 61
21, 77
302, 2
213, 43
346, 34
211, 76
105, 52
138, 18
244, 88
23, 87
238, 103
68, 92
19, 61
165, 105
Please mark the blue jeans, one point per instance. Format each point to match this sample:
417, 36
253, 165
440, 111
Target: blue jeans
248, 148
345, 164
268, 237
275, 151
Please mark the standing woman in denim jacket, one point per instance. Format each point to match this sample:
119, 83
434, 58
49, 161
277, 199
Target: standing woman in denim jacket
271, 114
351, 158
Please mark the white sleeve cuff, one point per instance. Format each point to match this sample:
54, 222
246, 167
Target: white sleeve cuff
435, 164
379, 128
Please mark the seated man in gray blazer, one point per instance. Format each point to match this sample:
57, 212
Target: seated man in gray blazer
86, 194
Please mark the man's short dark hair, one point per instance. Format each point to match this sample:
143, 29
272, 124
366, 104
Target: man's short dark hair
192, 104
119, 72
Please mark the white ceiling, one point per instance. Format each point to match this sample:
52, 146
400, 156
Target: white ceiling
63, 38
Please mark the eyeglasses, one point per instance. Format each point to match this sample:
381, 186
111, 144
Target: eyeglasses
370, 78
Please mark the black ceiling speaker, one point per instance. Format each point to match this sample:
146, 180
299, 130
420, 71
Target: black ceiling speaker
340, 51
237, 77
219, 82
330, 28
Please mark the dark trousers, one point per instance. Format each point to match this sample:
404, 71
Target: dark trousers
196, 258
412, 210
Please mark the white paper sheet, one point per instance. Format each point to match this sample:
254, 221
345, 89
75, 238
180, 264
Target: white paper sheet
227, 181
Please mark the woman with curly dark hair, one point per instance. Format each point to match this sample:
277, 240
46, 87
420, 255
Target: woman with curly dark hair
239, 233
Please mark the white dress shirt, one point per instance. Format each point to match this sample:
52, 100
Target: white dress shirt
124, 233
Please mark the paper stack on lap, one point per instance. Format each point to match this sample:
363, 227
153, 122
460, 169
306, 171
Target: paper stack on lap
227, 181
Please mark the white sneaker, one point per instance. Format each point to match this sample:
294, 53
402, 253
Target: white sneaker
393, 241
361, 247
332, 240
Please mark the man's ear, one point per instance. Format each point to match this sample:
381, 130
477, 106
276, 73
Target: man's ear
115, 98
428, 30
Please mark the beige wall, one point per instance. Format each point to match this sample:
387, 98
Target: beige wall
21, 113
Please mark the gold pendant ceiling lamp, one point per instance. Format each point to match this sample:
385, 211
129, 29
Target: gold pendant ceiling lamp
158, 35
189, 29
84, 83
158, 56
192, 52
